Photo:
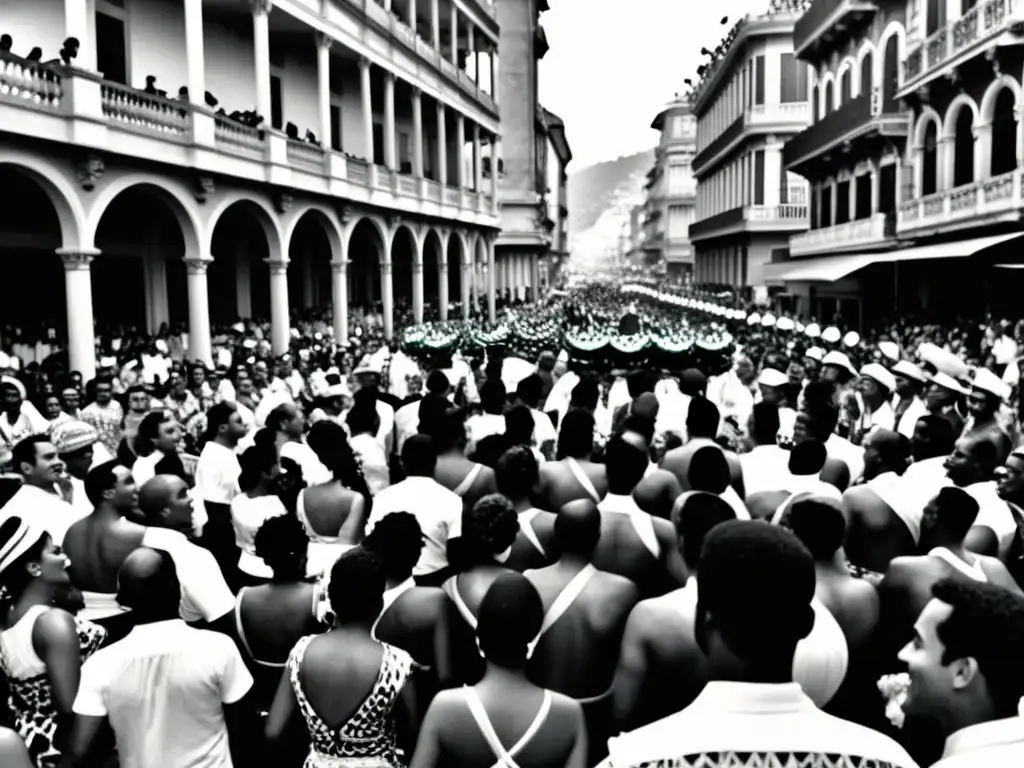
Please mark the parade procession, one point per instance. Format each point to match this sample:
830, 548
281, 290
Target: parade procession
318, 371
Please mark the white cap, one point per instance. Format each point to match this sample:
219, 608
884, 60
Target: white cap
831, 335
889, 349
946, 381
161, 346
15, 364
815, 353
813, 331
986, 381
943, 360
880, 374
772, 378
768, 320
839, 360
753, 318
908, 369
785, 324
851, 339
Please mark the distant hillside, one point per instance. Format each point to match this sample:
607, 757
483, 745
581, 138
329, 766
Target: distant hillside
600, 199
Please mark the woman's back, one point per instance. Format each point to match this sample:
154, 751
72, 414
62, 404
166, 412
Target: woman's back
327, 508
468, 479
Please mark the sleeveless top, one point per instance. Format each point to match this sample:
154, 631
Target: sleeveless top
451, 588
467, 482
367, 738
526, 528
324, 550
642, 522
390, 596
582, 479
970, 570
240, 629
505, 758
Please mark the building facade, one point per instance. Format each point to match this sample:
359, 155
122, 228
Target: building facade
525, 237
917, 178
557, 156
170, 182
751, 98
671, 190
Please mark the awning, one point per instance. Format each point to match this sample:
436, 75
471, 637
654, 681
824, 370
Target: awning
828, 269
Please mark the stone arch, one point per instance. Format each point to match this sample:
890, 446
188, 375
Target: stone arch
953, 112
825, 91
1000, 128
846, 69
368, 248
313, 239
928, 115
403, 250
70, 212
959, 133
181, 203
456, 257
988, 100
894, 28
865, 68
327, 218
265, 215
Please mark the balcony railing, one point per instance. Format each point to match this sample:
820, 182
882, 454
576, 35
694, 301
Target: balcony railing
996, 196
407, 185
146, 112
980, 24
358, 170
404, 33
844, 237
449, 70
452, 196
31, 81
433, 190
795, 212
232, 136
770, 114
825, 19
304, 155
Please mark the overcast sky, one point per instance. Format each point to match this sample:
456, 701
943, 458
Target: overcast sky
614, 63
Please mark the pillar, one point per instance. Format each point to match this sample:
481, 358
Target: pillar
534, 277
199, 346
442, 146
367, 98
323, 79
478, 177
279, 320
442, 280
339, 295
471, 52
76, 24
435, 23
387, 296
495, 157
417, 133
194, 54
261, 49
875, 184
78, 296
492, 305
455, 35
389, 121
521, 276
510, 282
832, 204
946, 162
460, 150
417, 282
982, 151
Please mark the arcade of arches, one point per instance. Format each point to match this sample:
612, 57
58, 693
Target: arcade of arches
139, 251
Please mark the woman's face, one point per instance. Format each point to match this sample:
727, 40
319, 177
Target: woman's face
53, 564
198, 377
168, 436
52, 407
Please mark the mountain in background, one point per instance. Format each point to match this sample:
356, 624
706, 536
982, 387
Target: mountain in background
600, 199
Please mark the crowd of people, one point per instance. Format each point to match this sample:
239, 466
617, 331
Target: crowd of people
351, 555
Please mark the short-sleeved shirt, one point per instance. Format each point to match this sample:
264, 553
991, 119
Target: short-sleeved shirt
194, 672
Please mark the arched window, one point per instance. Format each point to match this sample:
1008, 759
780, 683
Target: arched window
963, 147
866, 75
930, 160
890, 75
846, 87
828, 99
814, 103
1004, 134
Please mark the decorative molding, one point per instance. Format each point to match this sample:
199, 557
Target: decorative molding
277, 266
75, 261
348, 214
205, 188
385, 268
417, 267
324, 40
392, 220
992, 54
197, 266
90, 171
283, 201
340, 267
261, 6
364, 63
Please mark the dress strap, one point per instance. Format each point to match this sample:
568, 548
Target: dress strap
526, 526
971, 571
451, 588
467, 482
565, 599
582, 479
300, 513
643, 525
506, 757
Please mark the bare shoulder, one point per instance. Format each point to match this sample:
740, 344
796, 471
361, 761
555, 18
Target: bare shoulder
612, 584
565, 705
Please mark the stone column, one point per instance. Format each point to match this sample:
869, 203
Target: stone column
261, 48
280, 331
194, 54
78, 297
833, 205
982, 151
875, 184
492, 299
946, 163
367, 98
199, 345
442, 148
534, 277
417, 133
495, 157
435, 23
478, 175
323, 78
339, 292
76, 24
510, 279
460, 151
387, 298
455, 35
389, 122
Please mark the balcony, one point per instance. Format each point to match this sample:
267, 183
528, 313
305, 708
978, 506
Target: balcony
960, 40
862, 234
67, 106
719, 144
988, 201
829, 23
795, 114
784, 217
860, 118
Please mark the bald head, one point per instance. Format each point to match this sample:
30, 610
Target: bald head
578, 528
148, 582
885, 451
156, 493
164, 501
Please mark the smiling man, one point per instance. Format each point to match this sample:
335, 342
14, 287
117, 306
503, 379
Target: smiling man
966, 672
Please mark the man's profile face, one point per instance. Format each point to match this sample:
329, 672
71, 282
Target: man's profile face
932, 682
47, 467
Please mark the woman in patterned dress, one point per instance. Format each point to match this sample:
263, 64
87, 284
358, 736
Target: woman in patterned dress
41, 647
350, 689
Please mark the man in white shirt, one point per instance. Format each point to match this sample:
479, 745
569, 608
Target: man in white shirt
438, 510
907, 404
18, 419
966, 673
875, 386
766, 463
217, 481
753, 576
172, 694
36, 458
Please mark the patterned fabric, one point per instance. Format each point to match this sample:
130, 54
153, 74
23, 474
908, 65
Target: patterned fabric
768, 760
368, 737
31, 701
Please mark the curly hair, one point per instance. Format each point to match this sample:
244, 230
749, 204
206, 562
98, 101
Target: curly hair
357, 585
488, 529
398, 540
281, 542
